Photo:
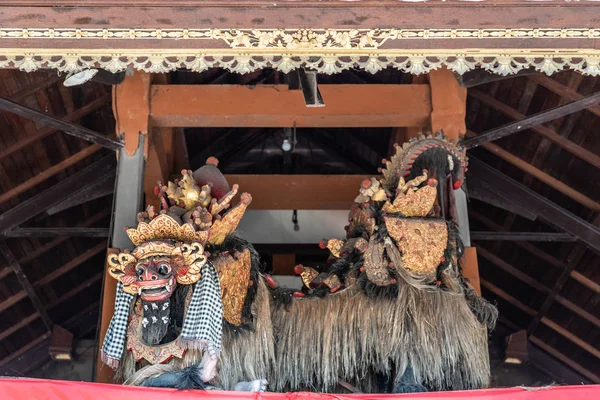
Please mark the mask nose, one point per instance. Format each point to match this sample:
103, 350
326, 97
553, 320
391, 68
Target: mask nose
149, 275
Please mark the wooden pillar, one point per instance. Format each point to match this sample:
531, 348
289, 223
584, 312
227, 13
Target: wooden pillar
449, 110
449, 104
131, 110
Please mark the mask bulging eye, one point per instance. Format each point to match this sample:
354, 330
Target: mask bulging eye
164, 269
139, 271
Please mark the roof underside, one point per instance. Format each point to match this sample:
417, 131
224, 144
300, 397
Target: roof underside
66, 272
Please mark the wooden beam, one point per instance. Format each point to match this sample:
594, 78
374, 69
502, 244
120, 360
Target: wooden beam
479, 190
131, 108
523, 277
543, 130
539, 174
549, 323
101, 187
299, 192
42, 133
15, 298
59, 231
25, 349
157, 168
56, 123
267, 106
470, 269
547, 210
40, 84
523, 236
449, 104
75, 262
533, 120
24, 281
55, 169
507, 297
565, 359
562, 90
54, 242
54, 195
551, 261
22, 323
480, 76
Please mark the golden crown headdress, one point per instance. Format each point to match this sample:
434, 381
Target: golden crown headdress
194, 212
193, 209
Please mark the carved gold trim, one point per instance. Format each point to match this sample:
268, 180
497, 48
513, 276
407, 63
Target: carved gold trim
498, 61
298, 38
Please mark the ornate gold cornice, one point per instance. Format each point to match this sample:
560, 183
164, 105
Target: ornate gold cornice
328, 51
297, 38
499, 61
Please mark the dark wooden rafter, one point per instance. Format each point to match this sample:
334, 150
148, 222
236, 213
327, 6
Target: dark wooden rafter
35, 87
480, 76
38, 252
42, 133
542, 130
54, 195
539, 174
540, 287
552, 262
55, 274
22, 278
573, 259
101, 187
546, 210
547, 348
480, 190
562, 90
56, 123
533, 120
523, 236
54, 170
59, 231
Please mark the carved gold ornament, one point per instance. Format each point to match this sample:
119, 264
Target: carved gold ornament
234, 278
421, 241
165, 227
298, 38
321, 59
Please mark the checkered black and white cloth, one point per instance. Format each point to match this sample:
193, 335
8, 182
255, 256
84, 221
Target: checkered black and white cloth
203, 323
202, 327
114, 341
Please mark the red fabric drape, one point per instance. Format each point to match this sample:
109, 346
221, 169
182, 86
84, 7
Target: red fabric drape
43, 389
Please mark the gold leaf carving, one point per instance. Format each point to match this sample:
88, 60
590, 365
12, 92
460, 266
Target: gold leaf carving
234, 278
421, 241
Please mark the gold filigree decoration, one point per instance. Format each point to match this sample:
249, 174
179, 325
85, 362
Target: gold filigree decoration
165, 227
326, 61
421, 241
234, 278
223, 227
292, 39
121, 266
412, 201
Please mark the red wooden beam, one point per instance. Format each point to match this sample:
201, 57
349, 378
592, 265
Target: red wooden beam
267, 106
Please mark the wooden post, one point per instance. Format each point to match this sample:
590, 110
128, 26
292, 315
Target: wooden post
131, 109
449, 104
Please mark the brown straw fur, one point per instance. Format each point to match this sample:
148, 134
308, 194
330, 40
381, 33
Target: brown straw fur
350, 336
